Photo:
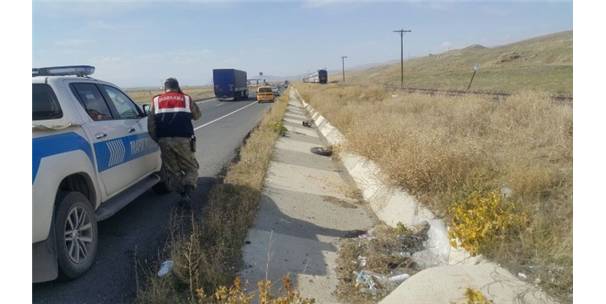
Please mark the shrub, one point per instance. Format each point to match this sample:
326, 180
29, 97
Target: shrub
483, 220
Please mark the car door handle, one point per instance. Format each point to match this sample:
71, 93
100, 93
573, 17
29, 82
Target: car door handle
131, 130
100, 135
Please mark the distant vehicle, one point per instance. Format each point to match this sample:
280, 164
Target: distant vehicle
321, 76
230, 83
92, 156
265, 93
276, 91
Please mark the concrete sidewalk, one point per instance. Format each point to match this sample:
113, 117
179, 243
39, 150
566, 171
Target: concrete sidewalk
304, 210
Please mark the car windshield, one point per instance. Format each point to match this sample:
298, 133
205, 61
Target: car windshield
264, 90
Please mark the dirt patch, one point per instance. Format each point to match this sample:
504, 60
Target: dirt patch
508, 57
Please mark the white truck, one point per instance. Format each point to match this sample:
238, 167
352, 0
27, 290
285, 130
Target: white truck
91, 156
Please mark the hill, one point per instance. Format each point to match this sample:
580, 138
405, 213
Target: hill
542, 63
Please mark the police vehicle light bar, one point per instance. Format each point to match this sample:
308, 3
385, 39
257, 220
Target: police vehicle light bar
77, 70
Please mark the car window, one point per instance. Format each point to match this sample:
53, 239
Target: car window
265, 90
44, 103
124, 106
92, 100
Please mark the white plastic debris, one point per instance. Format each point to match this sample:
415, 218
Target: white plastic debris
365, 279
506, 192
362, 260
399, 278
165, 268
522, 275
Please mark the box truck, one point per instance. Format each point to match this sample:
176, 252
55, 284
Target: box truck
230, 83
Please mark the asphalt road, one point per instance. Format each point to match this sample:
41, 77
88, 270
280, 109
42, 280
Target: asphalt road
138, 232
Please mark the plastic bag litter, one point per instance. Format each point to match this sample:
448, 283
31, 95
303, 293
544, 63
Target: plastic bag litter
399, 278
362, 260
165, 268
371, 282
367, 280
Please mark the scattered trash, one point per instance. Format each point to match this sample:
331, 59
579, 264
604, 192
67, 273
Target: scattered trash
322, 151
307, 123
394, 95
374, 263
366, 279
165, 268
399, 278
522, 275
362, 261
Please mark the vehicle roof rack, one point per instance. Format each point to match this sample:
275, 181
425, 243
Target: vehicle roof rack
76, 70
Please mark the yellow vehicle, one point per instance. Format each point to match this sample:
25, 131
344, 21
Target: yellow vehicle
265, 93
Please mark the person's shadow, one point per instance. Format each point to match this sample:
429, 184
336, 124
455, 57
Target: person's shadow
279, 245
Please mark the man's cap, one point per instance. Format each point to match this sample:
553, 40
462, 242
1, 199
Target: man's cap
171, 84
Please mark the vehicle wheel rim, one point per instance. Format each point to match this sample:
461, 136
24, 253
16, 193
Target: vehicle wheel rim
78, 234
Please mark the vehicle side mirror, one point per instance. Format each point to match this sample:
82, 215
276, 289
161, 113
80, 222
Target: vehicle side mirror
146, 109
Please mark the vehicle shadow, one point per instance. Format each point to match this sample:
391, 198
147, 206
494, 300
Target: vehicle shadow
138, 232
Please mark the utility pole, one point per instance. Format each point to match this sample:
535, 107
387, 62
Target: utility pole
343, 66
402, 31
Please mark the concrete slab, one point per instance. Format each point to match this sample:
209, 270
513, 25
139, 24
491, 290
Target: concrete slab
447, 284
305, 159
293, 120
307, 180
299, 129
304, 210
295, 145
295, 115
305, 138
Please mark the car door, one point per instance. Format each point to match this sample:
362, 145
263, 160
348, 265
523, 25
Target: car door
142, 153
107, 133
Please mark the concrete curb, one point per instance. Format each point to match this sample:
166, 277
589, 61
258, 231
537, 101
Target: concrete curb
393, 205
390, 204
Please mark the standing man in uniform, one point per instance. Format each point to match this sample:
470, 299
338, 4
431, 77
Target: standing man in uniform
170, 125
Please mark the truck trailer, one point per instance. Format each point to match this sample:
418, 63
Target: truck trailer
230, 83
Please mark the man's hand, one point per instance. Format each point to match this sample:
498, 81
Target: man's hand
151, 124
195, 111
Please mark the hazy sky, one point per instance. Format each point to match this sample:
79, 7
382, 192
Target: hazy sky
140, 43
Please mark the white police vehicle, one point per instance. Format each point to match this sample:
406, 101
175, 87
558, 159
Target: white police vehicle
92, 155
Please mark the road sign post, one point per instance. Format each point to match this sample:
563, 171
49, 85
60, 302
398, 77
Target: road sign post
475, 70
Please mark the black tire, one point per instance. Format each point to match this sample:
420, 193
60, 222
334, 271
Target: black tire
160, 188
75, 256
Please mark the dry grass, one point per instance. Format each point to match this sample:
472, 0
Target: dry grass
208, 252
144, 96
441, 149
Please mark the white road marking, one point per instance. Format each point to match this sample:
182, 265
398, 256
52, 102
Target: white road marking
204, 101
228, 114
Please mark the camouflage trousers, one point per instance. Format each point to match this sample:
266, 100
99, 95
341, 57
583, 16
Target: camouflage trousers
179, 164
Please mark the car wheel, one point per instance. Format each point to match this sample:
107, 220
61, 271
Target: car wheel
76, 235
160, 188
